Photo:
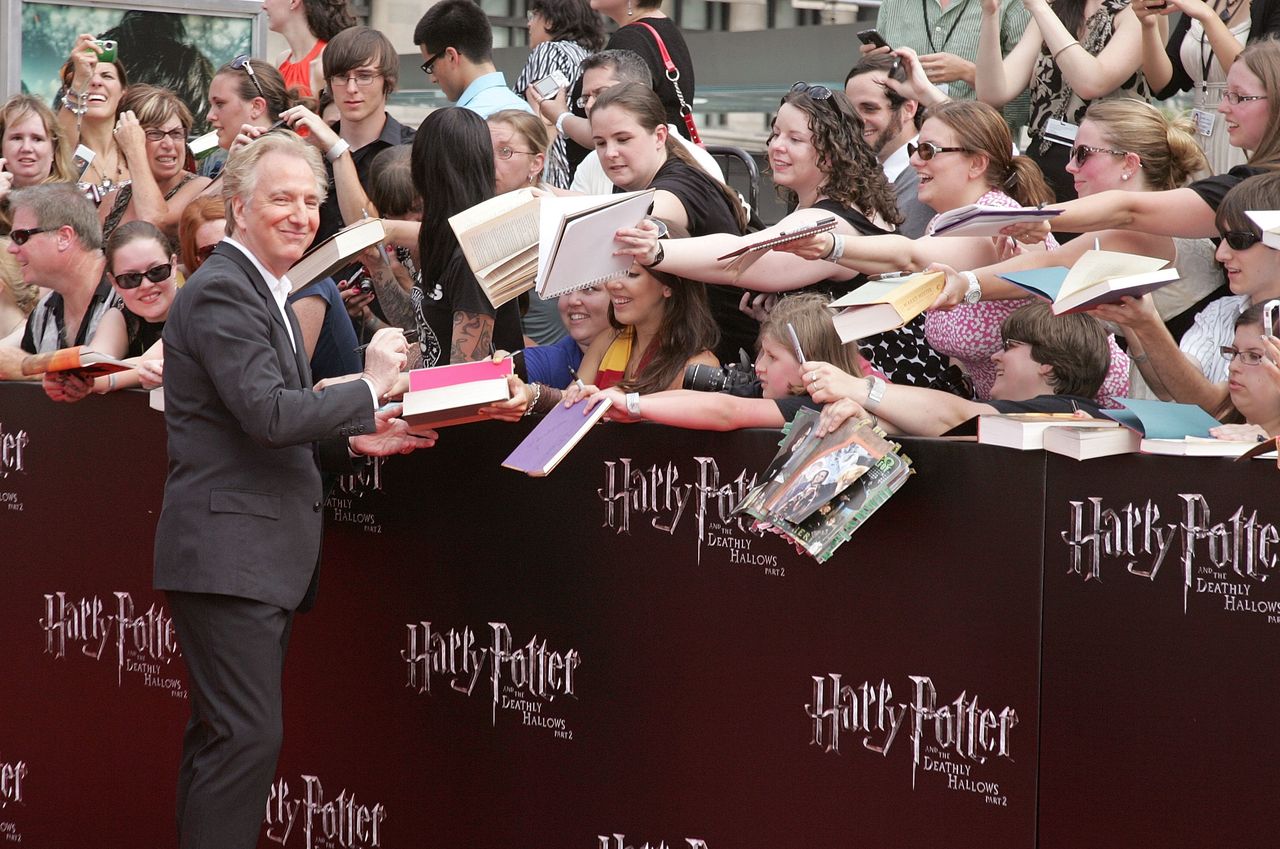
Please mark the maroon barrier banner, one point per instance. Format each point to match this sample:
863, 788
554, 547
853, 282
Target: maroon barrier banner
604, 658
1161, 636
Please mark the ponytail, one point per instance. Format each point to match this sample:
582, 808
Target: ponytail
1026, 183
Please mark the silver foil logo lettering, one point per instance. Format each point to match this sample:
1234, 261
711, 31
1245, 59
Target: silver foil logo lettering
143, 642
341, 821
658, 493
619, 841
12, 776
1134, 534
532, 669
962, 726
13, 446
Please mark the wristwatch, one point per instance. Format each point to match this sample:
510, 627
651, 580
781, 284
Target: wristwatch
875, 392
974, 293
663, 232
633, 403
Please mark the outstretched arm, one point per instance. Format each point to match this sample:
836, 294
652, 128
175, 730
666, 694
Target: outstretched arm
913, 409
694, 410
695, 258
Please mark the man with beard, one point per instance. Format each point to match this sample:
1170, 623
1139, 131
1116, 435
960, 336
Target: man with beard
889, 122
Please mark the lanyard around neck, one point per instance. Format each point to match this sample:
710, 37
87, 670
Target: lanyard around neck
928, 30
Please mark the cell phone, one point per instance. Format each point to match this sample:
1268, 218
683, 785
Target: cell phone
1269, 310
548, 87
82, 159
108, 48
872, 37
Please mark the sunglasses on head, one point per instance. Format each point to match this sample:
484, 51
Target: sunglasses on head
817, 92
20, 237
205, 251
133, 279
1240, 240
1081, 153
928, 150
242, 63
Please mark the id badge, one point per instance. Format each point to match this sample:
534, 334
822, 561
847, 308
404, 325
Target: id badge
1203, 120
1060, 132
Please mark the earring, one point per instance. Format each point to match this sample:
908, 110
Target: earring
1124, 177
630, 12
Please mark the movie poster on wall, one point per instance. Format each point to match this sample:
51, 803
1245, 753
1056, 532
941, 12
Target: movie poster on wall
179, 51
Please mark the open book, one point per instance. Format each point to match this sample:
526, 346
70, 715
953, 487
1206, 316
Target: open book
499, 239
451, 395
81, 360
977, 220
553, 438
1098, 277
881, 305
335, 252
576, 238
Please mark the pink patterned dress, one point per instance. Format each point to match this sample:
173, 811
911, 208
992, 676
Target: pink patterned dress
970, 333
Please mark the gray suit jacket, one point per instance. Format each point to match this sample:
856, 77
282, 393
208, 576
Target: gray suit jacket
243, 500
915, 215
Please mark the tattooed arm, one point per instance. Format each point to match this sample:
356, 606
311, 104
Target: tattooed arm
393, 297
472, 337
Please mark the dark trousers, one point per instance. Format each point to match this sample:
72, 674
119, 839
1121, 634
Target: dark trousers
234, 650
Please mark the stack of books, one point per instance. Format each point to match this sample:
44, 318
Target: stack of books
817, 491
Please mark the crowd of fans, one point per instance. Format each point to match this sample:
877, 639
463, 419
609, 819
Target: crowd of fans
1005, 104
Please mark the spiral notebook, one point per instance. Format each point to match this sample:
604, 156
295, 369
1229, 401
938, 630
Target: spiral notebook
576, 245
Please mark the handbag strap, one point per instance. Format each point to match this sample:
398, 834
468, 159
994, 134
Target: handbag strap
673, 74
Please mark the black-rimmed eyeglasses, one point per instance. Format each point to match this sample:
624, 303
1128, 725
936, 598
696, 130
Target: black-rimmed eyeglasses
243, 63
1235, 98
428, 67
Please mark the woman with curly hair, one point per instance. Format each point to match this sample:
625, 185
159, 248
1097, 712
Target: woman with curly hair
824, 168
307, 25
629, 128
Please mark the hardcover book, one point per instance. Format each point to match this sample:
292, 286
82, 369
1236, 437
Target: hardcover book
882, 305
335, 252
444, 396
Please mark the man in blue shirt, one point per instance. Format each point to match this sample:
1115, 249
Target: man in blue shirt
457, 48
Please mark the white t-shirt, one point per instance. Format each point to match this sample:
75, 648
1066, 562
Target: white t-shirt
590, 178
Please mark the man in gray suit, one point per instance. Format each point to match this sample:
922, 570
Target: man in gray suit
890, 121
238, 542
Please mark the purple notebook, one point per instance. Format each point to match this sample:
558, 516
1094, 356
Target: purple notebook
555, 435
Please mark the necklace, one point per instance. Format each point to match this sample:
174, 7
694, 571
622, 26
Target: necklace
106, 183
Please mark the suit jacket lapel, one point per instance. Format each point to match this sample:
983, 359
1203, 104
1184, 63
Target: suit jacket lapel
269, 301
299, 349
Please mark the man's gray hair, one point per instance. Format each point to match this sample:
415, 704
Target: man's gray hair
627, 65
240, 174
61, 205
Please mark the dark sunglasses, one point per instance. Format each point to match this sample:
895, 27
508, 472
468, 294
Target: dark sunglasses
428, 65
242, 63
928, 150
817, 92
1237, 240
19, 237
1081, 153
133, 279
